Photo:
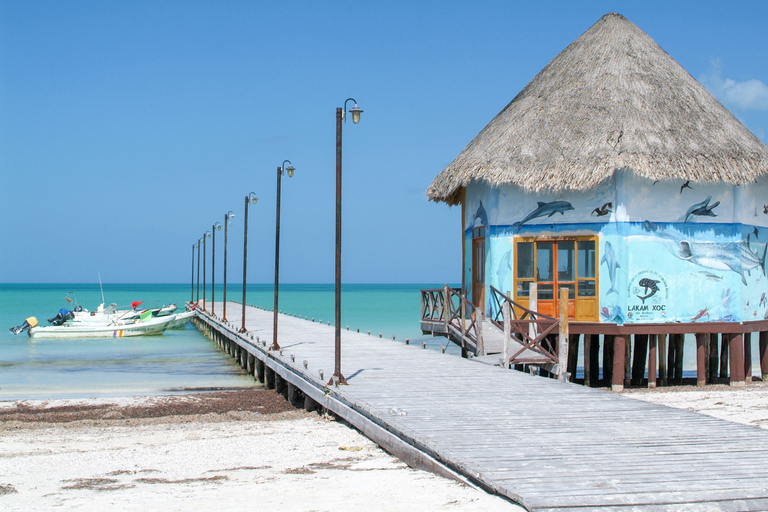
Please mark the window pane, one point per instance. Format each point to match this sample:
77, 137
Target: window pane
546, 292
565, 261
523, 288
571, 290
544, 261
525, 260
587, 258
587, 288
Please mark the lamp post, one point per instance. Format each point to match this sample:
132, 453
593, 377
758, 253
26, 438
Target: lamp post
216, 226
207, 234
198, 273
341, 115
227, 216
288, 169
192, 298
248, 198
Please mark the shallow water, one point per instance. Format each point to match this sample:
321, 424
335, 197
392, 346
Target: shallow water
179, 360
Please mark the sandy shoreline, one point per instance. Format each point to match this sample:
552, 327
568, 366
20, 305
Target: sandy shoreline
240, 449
243, 449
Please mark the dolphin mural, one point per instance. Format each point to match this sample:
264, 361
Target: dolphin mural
609, 258
504, 267
702, 209
481, 214
544, 209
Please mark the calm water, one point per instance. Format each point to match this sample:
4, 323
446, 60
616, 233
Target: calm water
179, 360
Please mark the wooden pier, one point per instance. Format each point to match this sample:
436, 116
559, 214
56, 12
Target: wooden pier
547, 445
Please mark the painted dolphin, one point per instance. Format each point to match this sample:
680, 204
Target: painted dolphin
503, 270
544, 209
609, 258
702, 209
481, 214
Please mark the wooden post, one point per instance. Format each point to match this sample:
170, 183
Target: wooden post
652, 361
701, 359
724, 346
607, 359
627, 356
533, 304
764, 355
662, 347
680, 338
748, 357
562, 345
588, 360
594, 356
573, 355
480, 345
446, 298
736, 348
505, 352
619, 350
714, 358
638, 364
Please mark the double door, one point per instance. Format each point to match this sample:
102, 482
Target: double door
557, 263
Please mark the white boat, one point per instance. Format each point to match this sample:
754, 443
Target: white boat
93, 329
165, 310
181, 320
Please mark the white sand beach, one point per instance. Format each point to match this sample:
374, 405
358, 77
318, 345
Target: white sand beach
234, 460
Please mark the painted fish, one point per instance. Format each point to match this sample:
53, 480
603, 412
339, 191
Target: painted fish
544, 209
650, 288
763, 301
701, 314
612, 314
735, 256
609, 258
709, 276
702, 209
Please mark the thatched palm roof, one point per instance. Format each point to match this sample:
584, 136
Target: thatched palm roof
613, 99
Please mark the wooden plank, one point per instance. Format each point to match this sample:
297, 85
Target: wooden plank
498, 429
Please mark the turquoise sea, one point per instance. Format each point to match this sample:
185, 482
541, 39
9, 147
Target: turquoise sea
178, 361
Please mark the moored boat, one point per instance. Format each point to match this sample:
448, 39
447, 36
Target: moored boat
153, 326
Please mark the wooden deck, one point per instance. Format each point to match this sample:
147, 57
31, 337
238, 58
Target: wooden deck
547, 445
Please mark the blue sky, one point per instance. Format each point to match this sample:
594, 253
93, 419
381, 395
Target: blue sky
128, 128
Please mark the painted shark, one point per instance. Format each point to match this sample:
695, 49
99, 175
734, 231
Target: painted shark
544, 209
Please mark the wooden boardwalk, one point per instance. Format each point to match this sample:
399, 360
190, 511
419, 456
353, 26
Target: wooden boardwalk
547, 445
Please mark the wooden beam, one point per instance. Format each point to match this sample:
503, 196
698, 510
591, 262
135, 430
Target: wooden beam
701, 359
619, 349
736, 348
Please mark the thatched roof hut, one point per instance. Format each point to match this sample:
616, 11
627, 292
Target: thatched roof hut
613, 99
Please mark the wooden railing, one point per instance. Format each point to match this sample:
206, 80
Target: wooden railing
457, 317
534, 331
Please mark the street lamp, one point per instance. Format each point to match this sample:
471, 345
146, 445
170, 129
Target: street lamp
250, 197
207, 234
198, 272
337, 377
288, 169
227, 217
192, 298
213, 267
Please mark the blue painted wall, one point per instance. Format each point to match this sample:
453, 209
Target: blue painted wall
700, 247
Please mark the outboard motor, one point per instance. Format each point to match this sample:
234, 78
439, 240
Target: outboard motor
63, 315
28, 324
